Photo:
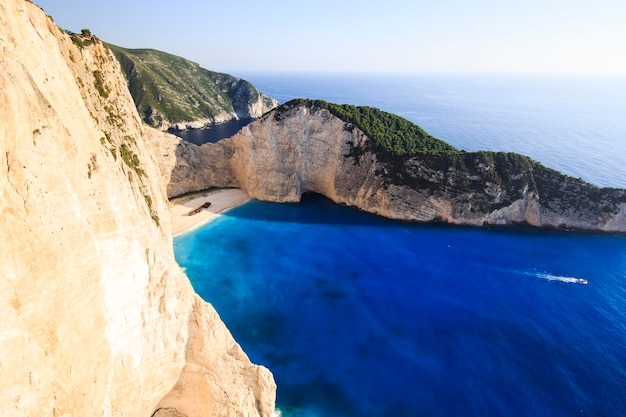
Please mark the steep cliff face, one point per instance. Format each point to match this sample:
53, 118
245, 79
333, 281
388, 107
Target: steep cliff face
97, 317
299, 148
171, 91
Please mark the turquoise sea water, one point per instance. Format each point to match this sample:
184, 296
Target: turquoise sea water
361, 316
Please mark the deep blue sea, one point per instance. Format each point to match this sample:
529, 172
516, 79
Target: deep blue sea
357, 315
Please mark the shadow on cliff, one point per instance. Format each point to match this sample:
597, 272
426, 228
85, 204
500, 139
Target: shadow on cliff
317, 209
312, 209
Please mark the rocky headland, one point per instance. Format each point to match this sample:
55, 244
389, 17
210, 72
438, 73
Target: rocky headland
312, 146
171, 92
97, 317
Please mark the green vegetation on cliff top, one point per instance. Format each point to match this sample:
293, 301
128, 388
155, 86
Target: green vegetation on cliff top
389, 131
399, 144
169, 88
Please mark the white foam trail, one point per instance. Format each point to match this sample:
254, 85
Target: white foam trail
570, 280
543, 275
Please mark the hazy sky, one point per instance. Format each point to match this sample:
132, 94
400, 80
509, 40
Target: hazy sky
542, 36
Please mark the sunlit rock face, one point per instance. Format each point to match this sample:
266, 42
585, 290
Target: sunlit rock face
97, 318
297, 149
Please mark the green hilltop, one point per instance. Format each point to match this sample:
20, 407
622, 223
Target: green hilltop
389, 131
412, 158
398, 143
168, 89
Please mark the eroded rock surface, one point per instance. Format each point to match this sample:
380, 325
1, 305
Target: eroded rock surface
298, 148
97, 318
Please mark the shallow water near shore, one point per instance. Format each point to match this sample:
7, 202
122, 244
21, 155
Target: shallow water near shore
361, 316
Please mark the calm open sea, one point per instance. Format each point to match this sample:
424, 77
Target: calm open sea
362, 316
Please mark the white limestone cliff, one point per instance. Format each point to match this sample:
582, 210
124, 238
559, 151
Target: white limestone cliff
298, 148
97, 319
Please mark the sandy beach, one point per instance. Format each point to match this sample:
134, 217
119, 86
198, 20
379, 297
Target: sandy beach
221, 200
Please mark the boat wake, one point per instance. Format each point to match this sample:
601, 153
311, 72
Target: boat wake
543, 275
569, 280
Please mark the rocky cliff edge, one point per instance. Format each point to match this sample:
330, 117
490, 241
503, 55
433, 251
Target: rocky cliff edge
303, 147
173, 92
97, 318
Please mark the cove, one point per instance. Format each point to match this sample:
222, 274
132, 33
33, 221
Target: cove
358, 315
211, 133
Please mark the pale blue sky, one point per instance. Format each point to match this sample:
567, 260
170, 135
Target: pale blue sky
536, 36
